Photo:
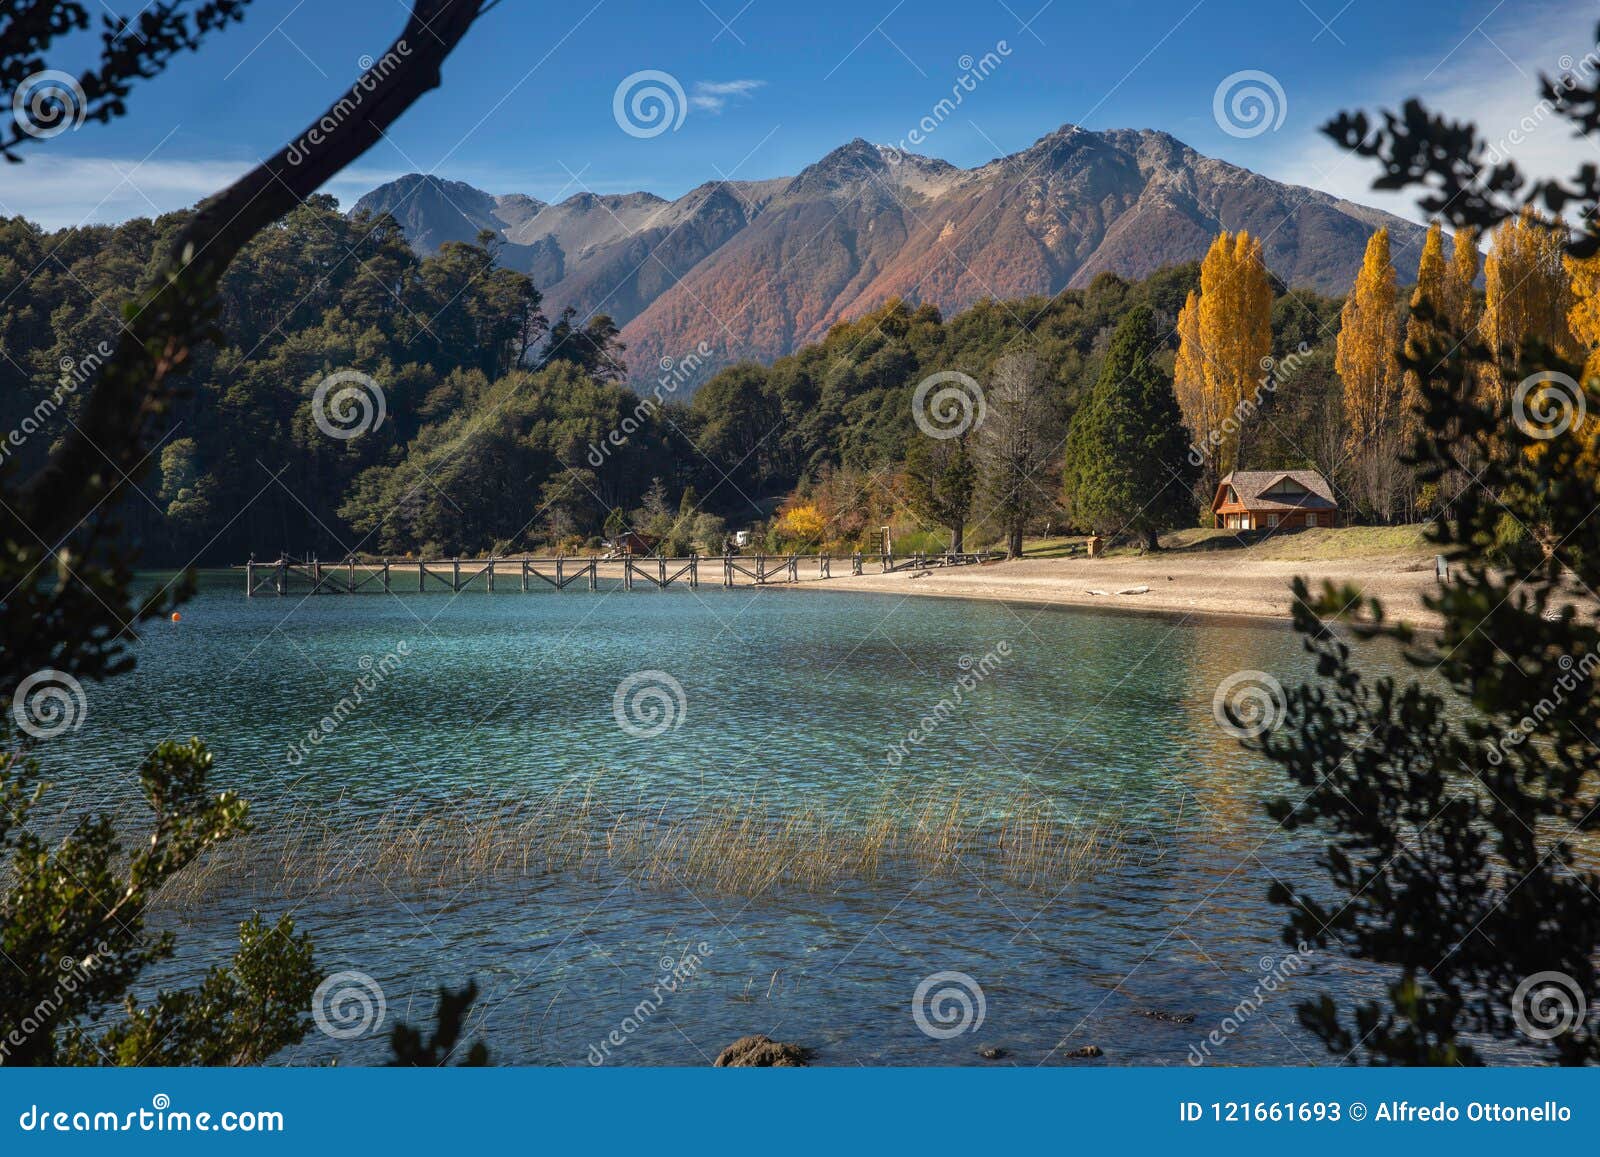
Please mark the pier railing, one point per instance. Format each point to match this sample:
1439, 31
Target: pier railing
350, 575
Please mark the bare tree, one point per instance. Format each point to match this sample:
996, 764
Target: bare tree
1018, 447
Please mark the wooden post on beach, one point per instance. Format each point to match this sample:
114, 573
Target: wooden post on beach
661, 569
525, 573
855, 563
386, 574
249, 580
627, 570
594, 574
422, 575
455, 581
491, 574
350, 575
560, 584
727, 569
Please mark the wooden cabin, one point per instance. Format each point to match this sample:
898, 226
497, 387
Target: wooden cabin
1274, 500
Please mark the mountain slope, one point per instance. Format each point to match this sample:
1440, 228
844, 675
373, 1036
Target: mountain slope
755, 269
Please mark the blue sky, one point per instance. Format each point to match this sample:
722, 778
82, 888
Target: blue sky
527, 103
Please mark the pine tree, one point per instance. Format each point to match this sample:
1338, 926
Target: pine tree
1128, 468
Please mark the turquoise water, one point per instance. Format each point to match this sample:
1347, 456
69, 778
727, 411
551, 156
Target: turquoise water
795, 697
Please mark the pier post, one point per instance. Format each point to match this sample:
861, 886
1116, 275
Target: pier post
727, 570
491, 574
794, 569
560, 583
455, 581
282, 581
855, 563
350, 575
661, 569
249, 580
627, 570
594, 574
385, 574
422, 575
525, 573
694, 570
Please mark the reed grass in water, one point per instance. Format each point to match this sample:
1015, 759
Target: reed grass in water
738, 846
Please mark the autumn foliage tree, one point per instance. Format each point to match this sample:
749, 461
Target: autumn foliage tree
1368, 363
1225, 336
1527, 294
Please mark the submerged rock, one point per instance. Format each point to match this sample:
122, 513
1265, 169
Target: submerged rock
1087, 1051
1170, 1017
991, 1052
759, 1051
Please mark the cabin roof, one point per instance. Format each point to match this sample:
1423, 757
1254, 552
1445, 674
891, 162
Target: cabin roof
1251, 487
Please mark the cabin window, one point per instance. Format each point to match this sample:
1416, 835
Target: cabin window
1272, 520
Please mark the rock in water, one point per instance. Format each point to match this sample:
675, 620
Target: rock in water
761, 1052
991, 1052
1087, 1051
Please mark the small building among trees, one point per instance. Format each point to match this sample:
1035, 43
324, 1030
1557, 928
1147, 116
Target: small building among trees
1274, 499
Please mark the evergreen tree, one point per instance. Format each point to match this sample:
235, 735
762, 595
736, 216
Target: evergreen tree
1128, 467
942, 481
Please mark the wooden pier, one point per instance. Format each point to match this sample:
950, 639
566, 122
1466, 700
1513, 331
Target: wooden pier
351, 575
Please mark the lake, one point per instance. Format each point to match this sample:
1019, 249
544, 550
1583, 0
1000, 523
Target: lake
784, 699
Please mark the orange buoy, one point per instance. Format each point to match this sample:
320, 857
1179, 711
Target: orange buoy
176, 617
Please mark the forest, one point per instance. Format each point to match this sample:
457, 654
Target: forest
502, 431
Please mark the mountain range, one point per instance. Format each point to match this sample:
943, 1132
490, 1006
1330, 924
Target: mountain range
755, 269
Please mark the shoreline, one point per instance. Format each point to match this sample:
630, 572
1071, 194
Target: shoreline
1181, 585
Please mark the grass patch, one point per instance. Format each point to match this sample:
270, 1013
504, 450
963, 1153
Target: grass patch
1304, 545
737, 846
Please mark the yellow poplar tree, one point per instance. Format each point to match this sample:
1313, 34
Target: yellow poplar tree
1189, 372
1527, 291
1366, 354
1235, 331
1583, 318
1434, 288
1463, 272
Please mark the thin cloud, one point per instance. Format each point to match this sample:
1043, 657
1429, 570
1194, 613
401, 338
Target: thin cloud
713, 95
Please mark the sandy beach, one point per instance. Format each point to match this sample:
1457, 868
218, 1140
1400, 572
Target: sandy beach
1207, 583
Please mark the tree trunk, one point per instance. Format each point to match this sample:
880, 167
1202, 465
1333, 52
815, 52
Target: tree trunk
957, 530
1152, 540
